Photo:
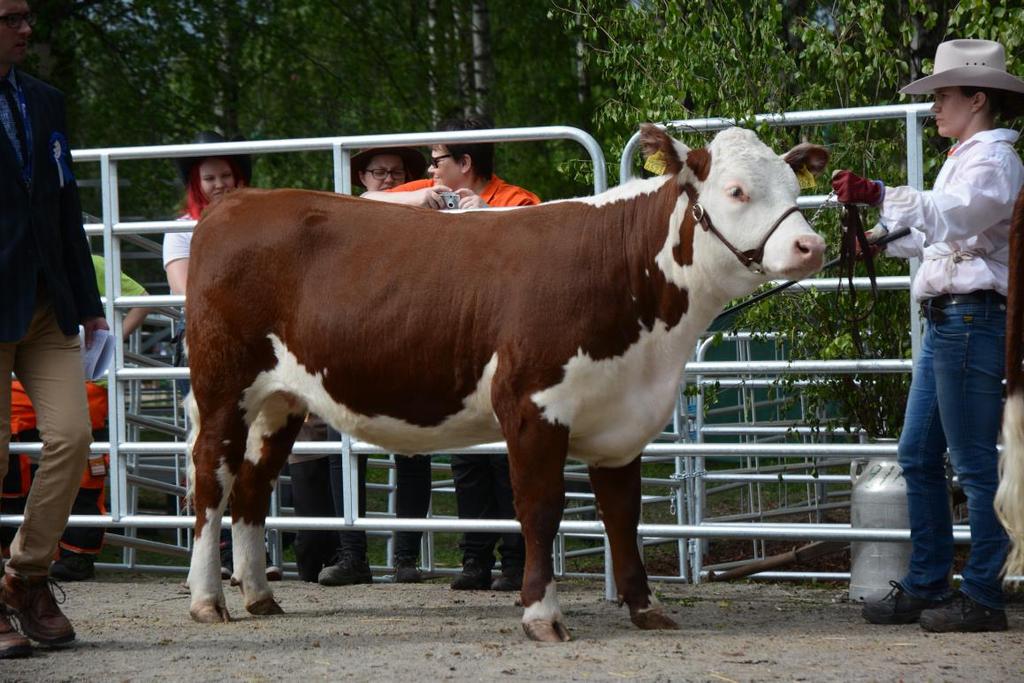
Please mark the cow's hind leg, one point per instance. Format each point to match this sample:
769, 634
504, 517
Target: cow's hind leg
618, 499
271, 436
537, 452
220, 441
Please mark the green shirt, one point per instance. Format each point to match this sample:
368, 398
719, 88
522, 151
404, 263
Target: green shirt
129, 287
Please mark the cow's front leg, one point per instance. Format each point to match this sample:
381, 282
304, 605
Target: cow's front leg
618, 498
537, 452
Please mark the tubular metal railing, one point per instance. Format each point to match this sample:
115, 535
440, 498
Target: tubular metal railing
686, 487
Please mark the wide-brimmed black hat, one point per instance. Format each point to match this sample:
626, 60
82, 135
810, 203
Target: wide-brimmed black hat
414, 162
244, 161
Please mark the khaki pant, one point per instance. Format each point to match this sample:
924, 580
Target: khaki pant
49, 365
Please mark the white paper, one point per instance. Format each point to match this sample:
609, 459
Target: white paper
96, 359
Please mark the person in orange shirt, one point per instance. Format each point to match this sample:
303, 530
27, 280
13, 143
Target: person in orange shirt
466, 169
78, 545
483, 489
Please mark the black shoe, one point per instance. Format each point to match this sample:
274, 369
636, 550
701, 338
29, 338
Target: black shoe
274, 572
74, 567
347, 571
898, 607
474, 576
227, 562
510, 579
312, 554
406, 570
963, 615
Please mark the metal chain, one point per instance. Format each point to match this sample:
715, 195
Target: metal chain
826, 204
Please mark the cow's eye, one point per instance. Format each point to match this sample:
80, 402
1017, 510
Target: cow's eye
736, 192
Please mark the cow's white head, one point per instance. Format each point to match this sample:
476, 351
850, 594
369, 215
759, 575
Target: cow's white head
742, 197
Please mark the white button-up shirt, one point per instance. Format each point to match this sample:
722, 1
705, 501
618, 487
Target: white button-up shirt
960, 228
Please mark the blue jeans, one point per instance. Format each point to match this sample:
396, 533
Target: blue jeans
955, 402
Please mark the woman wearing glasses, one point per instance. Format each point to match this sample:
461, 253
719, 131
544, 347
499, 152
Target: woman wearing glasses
382, 168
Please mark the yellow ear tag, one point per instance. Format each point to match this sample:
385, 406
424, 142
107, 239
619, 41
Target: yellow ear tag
656, 163
806, 179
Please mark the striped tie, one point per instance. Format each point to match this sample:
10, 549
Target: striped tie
19, 124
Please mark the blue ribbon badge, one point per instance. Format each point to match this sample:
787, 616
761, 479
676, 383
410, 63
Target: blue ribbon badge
61, 153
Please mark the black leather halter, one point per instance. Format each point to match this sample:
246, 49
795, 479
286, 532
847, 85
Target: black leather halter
751, 258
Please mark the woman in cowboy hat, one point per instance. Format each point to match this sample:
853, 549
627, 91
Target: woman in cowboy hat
206, 180
960, 231
381, 168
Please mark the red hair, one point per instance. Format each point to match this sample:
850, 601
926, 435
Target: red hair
195, 200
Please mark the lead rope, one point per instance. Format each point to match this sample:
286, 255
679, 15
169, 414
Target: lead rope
852, 237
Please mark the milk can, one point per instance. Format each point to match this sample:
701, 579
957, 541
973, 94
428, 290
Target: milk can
878, 501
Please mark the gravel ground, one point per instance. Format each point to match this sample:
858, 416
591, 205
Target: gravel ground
138, 628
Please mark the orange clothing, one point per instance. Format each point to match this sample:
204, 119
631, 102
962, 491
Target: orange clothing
23, 417
496, 193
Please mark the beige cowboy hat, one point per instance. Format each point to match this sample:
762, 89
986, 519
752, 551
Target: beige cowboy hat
415, 164
977, 63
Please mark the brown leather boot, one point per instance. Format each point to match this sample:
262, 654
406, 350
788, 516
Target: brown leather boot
12, 643
32, 601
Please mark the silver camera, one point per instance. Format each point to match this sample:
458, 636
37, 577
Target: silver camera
450, 199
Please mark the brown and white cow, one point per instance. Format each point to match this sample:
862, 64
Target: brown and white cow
562, 328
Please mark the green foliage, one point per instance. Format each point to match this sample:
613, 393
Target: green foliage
156, 72
669, 60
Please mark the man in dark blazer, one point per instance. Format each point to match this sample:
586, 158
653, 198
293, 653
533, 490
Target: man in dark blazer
47, 289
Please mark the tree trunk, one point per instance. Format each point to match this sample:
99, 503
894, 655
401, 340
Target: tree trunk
582, 77
432, 59
229, 71
483, 64
464, 83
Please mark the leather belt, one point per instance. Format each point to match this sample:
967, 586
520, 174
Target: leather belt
981, 296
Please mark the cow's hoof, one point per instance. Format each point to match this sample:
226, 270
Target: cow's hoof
265, 607
546, 631
652, 620
210, 613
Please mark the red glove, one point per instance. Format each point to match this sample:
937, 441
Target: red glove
850, 188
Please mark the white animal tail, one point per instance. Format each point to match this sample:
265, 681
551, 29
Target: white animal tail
193, 431
1010, 496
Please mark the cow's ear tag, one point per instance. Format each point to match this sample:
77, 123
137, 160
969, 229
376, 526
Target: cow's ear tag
656, 163
806, 179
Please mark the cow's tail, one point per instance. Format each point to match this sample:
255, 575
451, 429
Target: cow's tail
193, 431
1010, 496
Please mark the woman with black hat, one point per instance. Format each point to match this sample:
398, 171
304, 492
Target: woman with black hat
206, 180
960, 231
381, 168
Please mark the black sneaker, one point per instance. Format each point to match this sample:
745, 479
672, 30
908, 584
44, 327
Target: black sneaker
963, 615
74, 567
509, 580
347, 571
474, 576
898, 607
406, 570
